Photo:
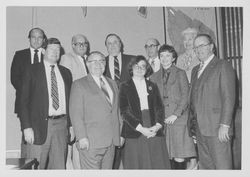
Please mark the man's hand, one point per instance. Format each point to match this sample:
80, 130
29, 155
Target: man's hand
84, 143
170, 120
28, 135
122, 141
223, 134
72, 134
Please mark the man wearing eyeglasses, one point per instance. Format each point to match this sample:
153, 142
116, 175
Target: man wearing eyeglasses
212, 102
75, 61
94, 115
151, 48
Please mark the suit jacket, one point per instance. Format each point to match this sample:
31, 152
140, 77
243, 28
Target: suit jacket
72, 62
92, 116
124, 70
131, 110
213, 96
34, 101
21, 60
176, 93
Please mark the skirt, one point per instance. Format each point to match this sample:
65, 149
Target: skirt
146, 153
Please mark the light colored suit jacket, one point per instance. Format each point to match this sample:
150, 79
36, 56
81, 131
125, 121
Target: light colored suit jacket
176, 92
92, 116
72, 62
213, 96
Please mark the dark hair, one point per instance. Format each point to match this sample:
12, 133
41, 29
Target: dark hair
52, 41
137, 59
210, 41
170, 49
113, 34
44, 36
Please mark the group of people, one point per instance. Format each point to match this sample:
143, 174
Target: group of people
83, 110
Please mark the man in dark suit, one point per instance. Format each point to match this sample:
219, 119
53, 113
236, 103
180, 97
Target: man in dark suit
212, 100
22, 59
95, 116
116, 69
44, 108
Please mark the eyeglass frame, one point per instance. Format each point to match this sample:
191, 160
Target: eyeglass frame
201, 46
81, 44
136, 66
150, 46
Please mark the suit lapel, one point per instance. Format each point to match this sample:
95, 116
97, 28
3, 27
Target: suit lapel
159, 80
133, 94
113, 90
44, 86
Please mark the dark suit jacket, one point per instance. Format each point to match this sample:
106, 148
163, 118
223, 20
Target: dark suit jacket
176, 92
131, 110
21, 60
124, 70
92, 116
213, 96
34, 102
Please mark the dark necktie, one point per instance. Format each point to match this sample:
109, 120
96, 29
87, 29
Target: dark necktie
36, 60
54, 89
153, 65
200, 69
104, 90
116, 69
87, 70
166, 74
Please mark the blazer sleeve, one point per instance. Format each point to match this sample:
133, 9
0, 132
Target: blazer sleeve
158, 106
15, 74
184, 89
227, 85
76, 110
26, 92
125, 109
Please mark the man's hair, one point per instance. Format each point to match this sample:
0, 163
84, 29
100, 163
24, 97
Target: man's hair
44, 36
96, 53
52, 41
86, 41
113, 34
169, 49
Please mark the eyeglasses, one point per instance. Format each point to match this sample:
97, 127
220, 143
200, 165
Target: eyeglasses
143, 67
81, 44
150, 46
201, 46
97, 61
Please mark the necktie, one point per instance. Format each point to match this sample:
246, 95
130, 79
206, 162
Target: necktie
36, 60
166, 74
153, 65
87, 70
54, 89
104, 90
200, 69
116, 69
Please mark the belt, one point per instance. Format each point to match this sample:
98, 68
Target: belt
57, 117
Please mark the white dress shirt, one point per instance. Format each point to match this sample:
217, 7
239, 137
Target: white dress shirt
141, 89
61, 90
97, 80
111, 65
32, 52
205, 65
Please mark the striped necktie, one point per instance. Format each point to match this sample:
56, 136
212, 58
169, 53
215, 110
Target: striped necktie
116, 69
105, 90
200, 69
54, 89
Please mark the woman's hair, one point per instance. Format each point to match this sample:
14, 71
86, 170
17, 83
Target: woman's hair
135, 60
168, 48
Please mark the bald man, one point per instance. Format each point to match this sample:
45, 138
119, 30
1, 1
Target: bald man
75, 61
151, 47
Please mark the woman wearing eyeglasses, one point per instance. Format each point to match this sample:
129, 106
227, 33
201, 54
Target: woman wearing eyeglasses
173, 86
143, 115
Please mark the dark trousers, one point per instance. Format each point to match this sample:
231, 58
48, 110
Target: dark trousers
213, 154
117, 157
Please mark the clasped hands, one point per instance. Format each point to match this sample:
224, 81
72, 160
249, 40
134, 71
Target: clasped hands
149, 132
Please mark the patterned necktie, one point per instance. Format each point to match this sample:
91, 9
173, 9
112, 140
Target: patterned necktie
36, 60
200, 69
87, 70
54, 89
104, 90
166, 74
116, 68
153, 65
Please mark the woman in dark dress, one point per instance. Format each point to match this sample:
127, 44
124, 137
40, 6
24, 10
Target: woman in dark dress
143, 114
